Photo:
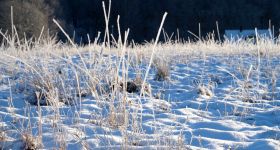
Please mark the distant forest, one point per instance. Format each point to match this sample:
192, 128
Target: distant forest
141, 16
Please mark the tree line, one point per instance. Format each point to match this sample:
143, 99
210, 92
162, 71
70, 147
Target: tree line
82, 17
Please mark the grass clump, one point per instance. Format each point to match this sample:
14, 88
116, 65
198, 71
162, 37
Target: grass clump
162, 70
2, 136
30, 142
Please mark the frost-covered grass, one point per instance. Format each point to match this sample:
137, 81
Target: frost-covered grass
196, 95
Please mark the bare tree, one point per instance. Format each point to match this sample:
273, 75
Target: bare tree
29, 17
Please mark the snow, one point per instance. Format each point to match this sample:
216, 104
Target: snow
243, 34
176, 114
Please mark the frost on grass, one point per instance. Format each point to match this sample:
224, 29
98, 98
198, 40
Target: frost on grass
216, 97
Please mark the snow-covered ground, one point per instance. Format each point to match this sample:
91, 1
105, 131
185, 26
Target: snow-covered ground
213, 97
